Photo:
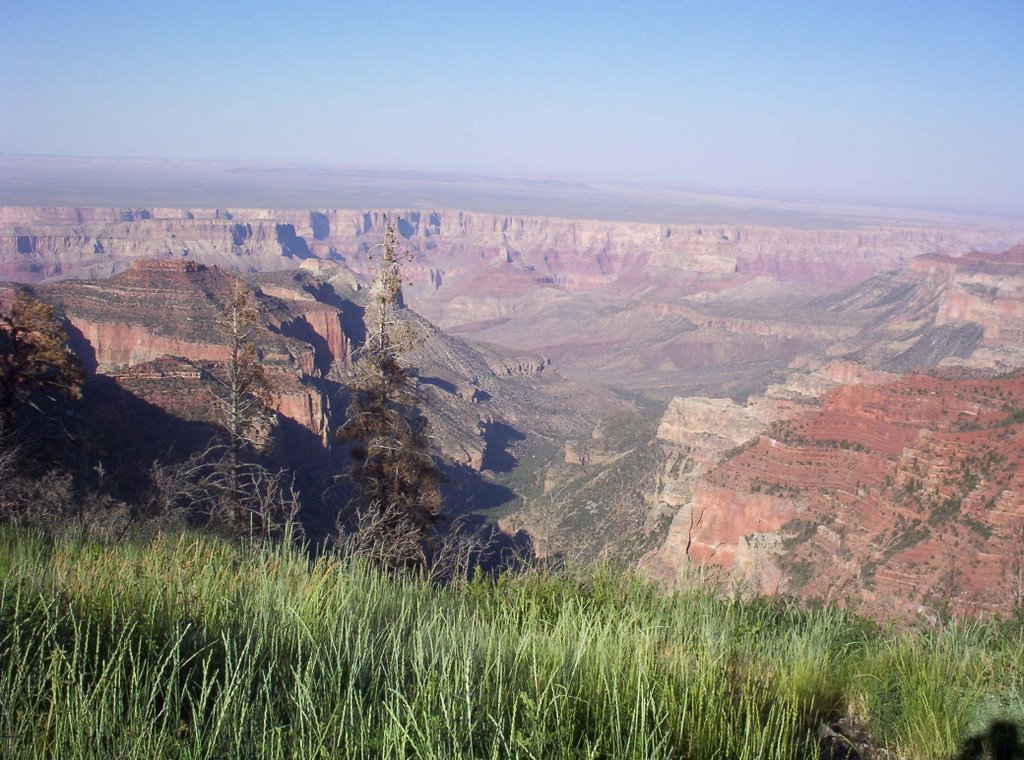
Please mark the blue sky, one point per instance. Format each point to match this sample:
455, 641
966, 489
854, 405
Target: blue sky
897, 100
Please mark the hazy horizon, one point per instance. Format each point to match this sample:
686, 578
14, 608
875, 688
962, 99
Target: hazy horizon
65, 181
899, 103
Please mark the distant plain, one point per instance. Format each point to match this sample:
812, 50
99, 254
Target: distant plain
136, 183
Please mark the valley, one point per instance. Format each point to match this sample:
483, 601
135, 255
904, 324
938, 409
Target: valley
780, 403
621, 381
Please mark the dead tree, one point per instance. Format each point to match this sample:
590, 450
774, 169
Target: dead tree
244, 394
200, 489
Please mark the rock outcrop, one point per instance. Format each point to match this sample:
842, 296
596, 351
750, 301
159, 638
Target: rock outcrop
797, 488
170, 309
902, 498
794, 453
718, 422
938, 310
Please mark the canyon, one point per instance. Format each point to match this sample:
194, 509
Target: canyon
784, 404
655, 307
853, 480
155, 330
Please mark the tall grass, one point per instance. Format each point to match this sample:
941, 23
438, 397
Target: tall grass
194, 648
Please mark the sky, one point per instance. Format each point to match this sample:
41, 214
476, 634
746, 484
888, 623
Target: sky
905, 101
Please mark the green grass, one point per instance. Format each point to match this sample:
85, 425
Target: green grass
192, 647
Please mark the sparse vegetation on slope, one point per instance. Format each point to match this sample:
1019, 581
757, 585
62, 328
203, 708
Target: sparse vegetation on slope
193, 647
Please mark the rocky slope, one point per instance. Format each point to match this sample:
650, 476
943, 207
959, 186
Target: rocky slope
126, 327
903, 497
850, 449
937, 310
153, 330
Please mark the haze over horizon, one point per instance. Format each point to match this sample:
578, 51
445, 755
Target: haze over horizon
904, 102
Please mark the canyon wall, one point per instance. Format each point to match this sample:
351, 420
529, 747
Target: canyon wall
646, 305
156, 330
905, 497
825, 472
126, 325
845, 479
40, 243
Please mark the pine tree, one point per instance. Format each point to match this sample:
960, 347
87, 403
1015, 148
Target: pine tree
36, 366
244, 392
226, 484
397, 480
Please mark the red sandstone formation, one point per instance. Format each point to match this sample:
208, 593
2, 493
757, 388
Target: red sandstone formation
902, 497
159, 309
862, 494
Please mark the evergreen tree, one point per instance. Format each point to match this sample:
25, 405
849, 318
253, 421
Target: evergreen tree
397, 481
36, 367
226, 484
244, 393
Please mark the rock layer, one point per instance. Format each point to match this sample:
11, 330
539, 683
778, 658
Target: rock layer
905, 497
629, 303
